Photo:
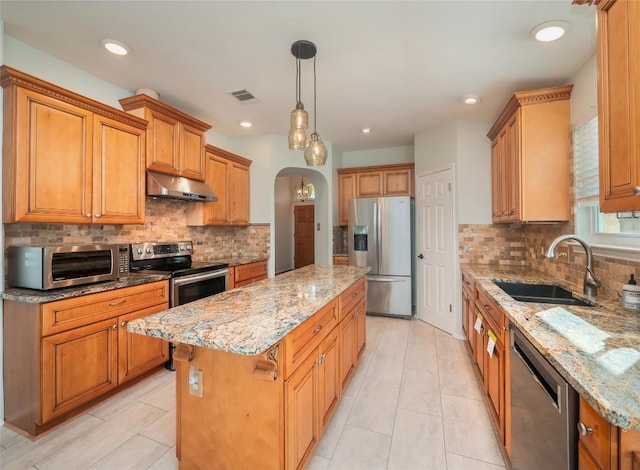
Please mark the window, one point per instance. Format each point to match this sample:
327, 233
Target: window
621, 230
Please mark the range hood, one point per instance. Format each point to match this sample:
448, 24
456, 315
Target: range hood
178, 187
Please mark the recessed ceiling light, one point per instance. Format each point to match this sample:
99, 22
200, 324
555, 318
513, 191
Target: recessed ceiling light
366, 130
115, 47
246, 124
470, 99
549, 31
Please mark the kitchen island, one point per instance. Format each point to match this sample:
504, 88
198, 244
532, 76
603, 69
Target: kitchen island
261, 369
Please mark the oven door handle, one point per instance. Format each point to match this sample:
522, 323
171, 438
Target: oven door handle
180, 281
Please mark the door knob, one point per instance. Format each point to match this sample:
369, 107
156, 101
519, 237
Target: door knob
420, 256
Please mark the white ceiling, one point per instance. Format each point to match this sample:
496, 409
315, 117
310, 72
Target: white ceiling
397, 67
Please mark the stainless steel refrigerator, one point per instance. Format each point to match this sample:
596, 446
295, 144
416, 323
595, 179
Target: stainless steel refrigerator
381, 236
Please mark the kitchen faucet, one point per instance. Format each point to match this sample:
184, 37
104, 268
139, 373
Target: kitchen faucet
591, 284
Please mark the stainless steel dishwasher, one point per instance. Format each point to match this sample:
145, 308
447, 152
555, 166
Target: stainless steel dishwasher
544, 411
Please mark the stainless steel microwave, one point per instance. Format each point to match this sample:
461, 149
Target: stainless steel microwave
50, 267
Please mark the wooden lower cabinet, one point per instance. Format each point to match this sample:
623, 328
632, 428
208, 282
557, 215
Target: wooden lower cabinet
340, 260
267, 411
603, 446
245, 274
311, 396
77, 366
88, 354
347, 349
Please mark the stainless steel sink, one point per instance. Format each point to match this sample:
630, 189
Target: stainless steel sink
542, 293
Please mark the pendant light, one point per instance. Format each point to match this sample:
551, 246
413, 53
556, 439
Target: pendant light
316, 152
299, 117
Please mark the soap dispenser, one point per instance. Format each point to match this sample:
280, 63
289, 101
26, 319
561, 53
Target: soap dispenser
631, 295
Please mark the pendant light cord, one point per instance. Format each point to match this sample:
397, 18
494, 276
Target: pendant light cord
315, 107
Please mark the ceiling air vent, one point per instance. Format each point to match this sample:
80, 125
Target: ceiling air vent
243, 95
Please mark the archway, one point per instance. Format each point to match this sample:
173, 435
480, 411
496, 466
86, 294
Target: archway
286, 185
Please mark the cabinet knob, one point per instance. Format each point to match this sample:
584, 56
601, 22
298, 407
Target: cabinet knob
420, 256
98, 215
115, 327
636, 190
88, 216
584, 430
123, 324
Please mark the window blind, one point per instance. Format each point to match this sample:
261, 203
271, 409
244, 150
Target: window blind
585, 154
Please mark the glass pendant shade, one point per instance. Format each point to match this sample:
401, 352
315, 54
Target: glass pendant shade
299, 117
297, 139
315, 154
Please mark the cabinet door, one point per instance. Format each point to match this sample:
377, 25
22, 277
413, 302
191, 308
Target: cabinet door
192, 163
619, 104
329, 384
398, 182
347, 190
77, 366
466, 315
217, 178
478, 344
494, 380
360, 315
302, 426
238, 185
512, 157
496, 184
585, 461
369, 184
163, 142
52, 167
347, 348
118, 172
138, 353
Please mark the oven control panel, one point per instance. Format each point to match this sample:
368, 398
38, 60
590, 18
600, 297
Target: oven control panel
155, 250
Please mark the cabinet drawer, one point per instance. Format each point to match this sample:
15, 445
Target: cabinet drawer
351, 297
249, 271
65, 314
246, 282
493, 314
305, 337
598, 441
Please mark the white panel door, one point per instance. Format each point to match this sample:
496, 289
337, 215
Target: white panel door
434, 220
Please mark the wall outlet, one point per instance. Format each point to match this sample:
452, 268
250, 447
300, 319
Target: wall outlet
195, 382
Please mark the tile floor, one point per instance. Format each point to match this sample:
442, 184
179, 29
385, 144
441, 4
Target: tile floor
413, 403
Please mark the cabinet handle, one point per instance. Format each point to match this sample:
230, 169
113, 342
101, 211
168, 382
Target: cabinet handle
120, 302
505, 328
316, 330
123, 324
321, 359
98, 215
115, 327
88, 216
584, 430
636, 190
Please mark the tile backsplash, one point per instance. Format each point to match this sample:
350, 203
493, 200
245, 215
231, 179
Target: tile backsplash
165, 220
521, 244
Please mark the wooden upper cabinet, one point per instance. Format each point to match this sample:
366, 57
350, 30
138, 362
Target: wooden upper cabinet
347, 191
530, 157
373, 181
369, 184
68, 159
175, 140
619, 104
228, 175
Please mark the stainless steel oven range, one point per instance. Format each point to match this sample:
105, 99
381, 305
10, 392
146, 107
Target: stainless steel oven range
189, 280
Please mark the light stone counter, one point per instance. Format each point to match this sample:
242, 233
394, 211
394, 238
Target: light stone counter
251, 319
596, 349
34, 296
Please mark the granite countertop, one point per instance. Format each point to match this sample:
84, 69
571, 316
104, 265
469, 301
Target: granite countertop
596, 349
34, 296
238, 260
249, 320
